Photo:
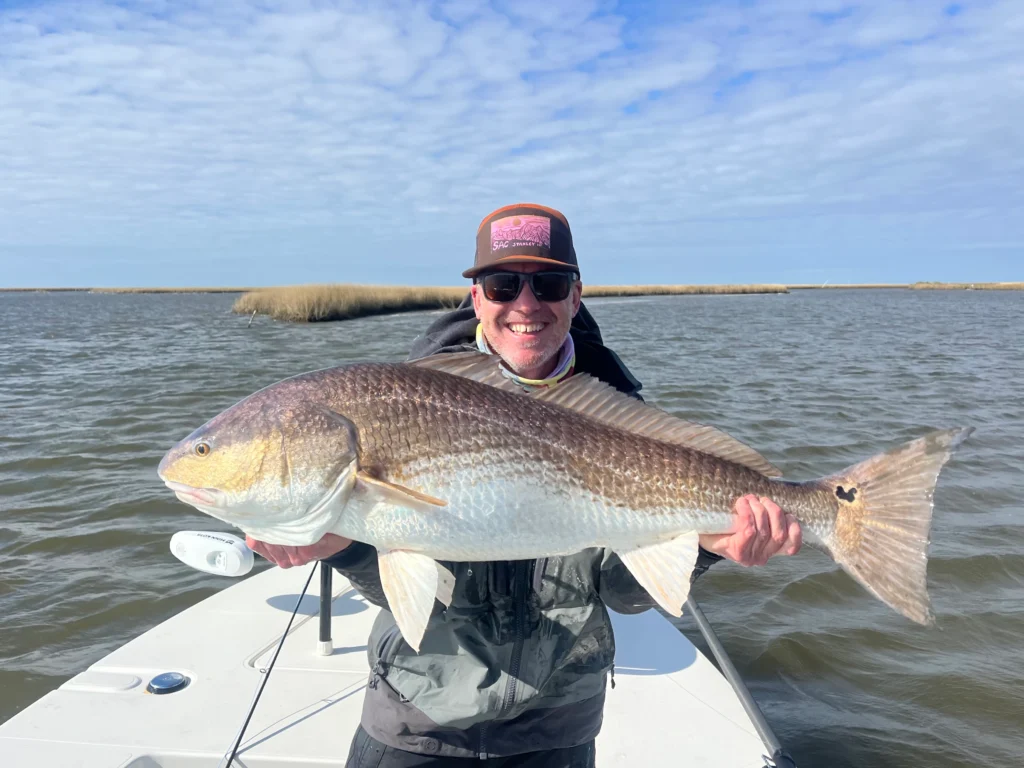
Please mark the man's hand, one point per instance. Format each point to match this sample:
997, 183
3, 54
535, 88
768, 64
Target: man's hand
286, 557
761, 530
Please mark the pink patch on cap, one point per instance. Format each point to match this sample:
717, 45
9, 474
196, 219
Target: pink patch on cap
520, 231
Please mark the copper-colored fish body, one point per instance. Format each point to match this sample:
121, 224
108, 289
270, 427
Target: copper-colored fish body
447, 460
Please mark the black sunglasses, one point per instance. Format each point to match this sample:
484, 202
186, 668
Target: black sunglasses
503, 287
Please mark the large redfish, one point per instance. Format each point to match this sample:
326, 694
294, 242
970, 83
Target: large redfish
447, 459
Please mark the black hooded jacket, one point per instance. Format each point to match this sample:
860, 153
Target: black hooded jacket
456, 332
519, 660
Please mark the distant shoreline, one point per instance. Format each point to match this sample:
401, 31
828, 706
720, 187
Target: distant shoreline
321, 303
128, 290
330, 302
594, 290
920, 286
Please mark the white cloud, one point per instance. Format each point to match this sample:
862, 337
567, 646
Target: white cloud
250, 130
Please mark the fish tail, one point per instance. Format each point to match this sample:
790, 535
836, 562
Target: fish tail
884, 520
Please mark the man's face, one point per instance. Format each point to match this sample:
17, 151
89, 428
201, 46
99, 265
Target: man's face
527, 333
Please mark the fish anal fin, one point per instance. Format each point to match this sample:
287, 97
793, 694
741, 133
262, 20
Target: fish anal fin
664, 569
396, 494
411, 581
445, 585
593, 398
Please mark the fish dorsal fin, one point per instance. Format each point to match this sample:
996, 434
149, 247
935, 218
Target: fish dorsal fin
477, 366
591, 397
585, 394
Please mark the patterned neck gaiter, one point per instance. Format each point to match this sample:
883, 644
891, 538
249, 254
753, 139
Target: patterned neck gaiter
564, 368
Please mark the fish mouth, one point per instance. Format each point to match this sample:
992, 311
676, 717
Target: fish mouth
204, 497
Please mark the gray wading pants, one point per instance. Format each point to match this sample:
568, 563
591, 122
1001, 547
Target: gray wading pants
367, 752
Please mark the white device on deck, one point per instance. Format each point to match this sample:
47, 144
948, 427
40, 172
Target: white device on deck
221, 554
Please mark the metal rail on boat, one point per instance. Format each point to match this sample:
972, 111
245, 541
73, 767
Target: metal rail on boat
326, 645
778, 758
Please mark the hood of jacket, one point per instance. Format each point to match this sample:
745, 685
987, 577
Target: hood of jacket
455, 331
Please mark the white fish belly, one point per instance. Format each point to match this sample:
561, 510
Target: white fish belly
501, 511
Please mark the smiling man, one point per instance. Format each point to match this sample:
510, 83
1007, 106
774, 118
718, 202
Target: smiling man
514, 672
529, 331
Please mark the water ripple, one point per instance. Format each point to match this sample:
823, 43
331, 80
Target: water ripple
96, 387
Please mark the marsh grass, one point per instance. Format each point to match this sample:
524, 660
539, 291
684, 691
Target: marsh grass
311, 303
316, 303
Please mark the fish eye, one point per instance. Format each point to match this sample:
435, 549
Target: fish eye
202, 449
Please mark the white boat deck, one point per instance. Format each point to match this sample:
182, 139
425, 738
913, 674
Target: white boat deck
670, 705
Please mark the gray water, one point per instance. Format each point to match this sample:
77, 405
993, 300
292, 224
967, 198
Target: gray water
94, 388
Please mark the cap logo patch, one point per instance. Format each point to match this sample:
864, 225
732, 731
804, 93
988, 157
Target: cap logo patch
520, 231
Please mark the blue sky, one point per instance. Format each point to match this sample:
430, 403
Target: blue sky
265, 143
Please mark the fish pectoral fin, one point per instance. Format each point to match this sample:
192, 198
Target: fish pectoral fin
411, 581
664, 569
398, 495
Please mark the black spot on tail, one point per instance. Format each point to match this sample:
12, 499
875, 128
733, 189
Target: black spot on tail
846, 495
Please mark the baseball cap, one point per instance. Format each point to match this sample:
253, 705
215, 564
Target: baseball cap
523, 232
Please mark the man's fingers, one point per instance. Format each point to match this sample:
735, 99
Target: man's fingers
297, 556
761, 521
774, 537
760, 531
761, 549
740, 543
331, 544
260, 548
742, 507
275, 553
777, 522
279, 555
795, 535
255, 545
288, 557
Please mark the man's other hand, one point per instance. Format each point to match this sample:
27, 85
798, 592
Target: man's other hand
286, 557
760, 531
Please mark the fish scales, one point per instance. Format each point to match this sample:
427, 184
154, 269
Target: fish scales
597, 484
444, 459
